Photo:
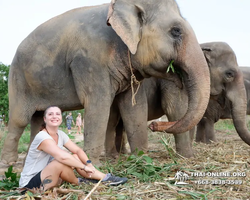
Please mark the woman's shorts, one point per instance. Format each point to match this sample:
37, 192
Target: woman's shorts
35, 182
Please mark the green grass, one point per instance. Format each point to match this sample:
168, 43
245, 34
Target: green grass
140, 166
80, 144
3, 134
226, 124
24, 141
145, 171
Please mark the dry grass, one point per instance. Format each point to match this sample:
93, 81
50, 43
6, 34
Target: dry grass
230, 154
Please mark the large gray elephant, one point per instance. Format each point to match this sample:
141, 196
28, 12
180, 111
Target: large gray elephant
228, 95
76, 61
164, 97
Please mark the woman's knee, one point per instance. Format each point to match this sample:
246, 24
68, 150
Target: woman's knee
55, 167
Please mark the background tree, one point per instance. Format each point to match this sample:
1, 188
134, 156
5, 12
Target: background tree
4, 99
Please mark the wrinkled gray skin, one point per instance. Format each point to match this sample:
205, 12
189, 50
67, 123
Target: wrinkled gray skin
155, 98
76, 61
228, 95
246, 76
246, 72
247, 87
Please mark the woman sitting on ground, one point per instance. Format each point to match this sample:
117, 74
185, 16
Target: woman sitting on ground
47, 164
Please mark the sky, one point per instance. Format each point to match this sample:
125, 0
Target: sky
212, 20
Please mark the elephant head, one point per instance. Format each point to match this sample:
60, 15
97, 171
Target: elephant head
227, 87
156, 35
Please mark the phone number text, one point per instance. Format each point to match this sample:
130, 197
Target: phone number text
219, 182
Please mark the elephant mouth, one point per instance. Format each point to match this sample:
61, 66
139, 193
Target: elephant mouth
173, 73
176, 75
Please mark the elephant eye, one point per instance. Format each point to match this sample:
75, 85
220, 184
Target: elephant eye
176, 32
229, 75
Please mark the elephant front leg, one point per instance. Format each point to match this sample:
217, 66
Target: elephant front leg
95, 125
135, 120
183, 144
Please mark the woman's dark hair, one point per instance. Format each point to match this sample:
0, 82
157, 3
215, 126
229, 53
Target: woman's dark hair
43, 126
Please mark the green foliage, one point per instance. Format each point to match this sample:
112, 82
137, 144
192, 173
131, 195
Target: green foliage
174, 70
72, 137
24, 141
166, 143
2, 138
6, 194
4, 100
140, 166
198, 195
11, 180
225, 124
170, 66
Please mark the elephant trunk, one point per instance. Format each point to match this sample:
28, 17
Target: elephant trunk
197, 81
238, 100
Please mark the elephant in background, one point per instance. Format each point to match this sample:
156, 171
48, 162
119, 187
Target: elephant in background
228, 98
246, 72
76, 61
246, 75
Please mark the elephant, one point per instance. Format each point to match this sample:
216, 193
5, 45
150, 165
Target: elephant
246, 72
246, 75
164, 97
85, 57
156, 97
228, 99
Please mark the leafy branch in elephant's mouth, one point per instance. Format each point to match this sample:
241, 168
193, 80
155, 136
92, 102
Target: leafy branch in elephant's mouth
170, 66
174, 70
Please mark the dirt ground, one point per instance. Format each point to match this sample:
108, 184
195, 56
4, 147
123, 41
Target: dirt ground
228, 155
154, 146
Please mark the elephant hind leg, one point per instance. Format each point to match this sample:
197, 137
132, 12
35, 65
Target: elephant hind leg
19, 118
205, 131
9, 154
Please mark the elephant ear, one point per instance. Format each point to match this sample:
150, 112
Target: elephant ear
207, 53
125, 19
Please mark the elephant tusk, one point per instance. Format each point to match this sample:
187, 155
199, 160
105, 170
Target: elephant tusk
160, 126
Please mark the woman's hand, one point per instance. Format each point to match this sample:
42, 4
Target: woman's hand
89, 169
